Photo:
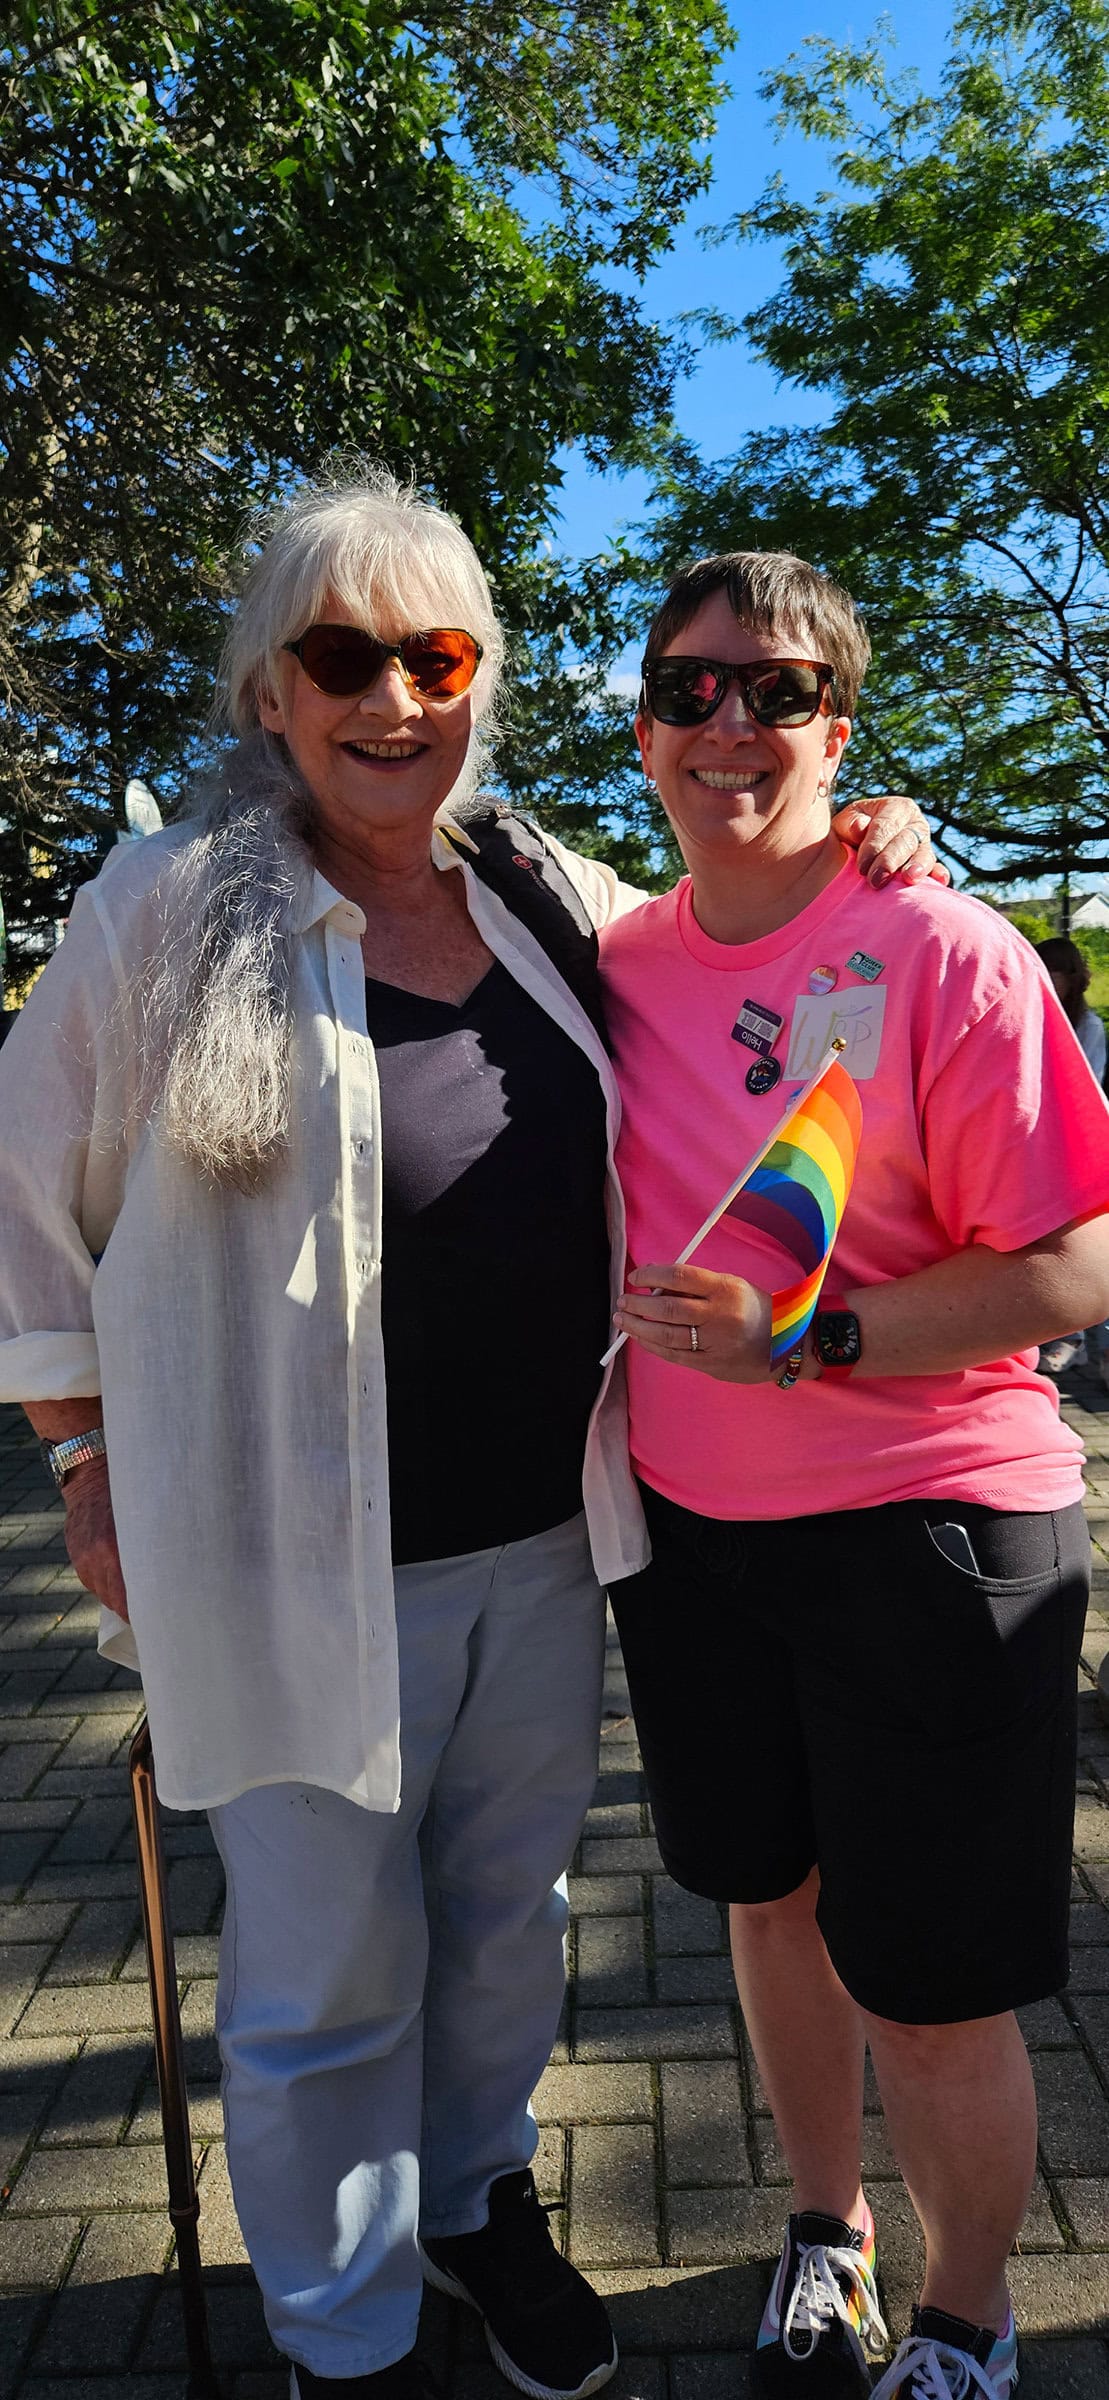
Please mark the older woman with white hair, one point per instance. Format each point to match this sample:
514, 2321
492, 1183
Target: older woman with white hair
313, 1090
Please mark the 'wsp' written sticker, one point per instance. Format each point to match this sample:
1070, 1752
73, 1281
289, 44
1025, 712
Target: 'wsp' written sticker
855, 1016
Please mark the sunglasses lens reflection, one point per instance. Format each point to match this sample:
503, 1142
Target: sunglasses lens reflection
340, 658
683, 691
789, 695
442, 663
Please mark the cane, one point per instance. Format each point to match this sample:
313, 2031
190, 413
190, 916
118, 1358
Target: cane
184, 2207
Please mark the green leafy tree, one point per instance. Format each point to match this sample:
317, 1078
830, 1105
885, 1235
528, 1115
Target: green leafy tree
239, 233
949, 297
1029, 921
569, 753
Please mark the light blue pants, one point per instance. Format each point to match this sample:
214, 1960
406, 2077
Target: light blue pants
390, 1986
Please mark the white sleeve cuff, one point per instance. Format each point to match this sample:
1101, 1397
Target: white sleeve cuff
115, 1640
50, 1366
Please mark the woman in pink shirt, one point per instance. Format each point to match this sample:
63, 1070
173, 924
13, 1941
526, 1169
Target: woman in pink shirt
853, 1658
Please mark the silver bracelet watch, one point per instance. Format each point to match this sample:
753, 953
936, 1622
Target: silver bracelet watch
62, 1457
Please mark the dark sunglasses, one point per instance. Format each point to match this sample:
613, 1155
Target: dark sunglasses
776, 691
342, 660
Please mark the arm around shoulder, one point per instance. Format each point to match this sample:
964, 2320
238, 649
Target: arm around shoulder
599, 887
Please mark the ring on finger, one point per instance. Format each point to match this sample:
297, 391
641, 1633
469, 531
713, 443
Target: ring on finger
917, 835
694, 1338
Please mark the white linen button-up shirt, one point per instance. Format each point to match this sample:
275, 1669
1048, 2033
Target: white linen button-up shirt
236, 1341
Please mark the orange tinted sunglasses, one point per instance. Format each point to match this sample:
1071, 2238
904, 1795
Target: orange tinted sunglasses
342, 660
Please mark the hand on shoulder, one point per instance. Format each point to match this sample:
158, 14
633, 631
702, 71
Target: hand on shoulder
891, 837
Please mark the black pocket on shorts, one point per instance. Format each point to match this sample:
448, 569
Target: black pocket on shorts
1007, 1550
1019, 1607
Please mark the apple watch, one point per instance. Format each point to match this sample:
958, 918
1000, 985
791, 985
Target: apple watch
837, 1339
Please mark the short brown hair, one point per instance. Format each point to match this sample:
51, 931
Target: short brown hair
772, 592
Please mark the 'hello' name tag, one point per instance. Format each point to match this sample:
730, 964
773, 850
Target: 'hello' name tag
757, 1027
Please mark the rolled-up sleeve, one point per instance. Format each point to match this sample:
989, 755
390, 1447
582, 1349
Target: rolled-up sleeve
62, 1163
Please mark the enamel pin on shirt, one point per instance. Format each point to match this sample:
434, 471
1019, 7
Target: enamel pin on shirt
823, 979
762, 1075
868, 968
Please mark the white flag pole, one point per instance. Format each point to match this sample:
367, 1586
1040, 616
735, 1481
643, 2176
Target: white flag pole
734, 1189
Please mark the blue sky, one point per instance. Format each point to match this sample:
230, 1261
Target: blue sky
729, 393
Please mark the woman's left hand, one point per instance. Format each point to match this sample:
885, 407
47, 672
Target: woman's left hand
729, 1319
891, 837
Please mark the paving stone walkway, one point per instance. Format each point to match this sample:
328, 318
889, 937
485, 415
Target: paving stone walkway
655, 2137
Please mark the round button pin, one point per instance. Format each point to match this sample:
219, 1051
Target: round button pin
823, 979
763, 1075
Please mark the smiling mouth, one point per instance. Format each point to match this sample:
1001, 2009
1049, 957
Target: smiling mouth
388, 751
730, 779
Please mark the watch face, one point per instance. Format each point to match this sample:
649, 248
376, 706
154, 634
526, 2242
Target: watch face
837, 1338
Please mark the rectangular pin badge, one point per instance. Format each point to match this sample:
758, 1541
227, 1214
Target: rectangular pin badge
868, 968
757, 1027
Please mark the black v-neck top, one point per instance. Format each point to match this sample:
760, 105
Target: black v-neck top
495, 1297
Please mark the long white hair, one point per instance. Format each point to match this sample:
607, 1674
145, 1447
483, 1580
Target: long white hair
217, 1001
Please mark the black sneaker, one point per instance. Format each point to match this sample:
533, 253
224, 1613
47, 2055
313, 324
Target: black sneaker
822, 2326
945, 2355
546, 2328
408, 2379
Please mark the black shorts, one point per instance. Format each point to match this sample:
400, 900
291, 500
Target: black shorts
835, 1692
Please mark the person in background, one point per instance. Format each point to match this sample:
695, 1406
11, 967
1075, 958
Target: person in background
1070, 975
288, 1128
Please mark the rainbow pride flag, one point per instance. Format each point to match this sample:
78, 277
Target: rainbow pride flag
798, 1194
795, 1187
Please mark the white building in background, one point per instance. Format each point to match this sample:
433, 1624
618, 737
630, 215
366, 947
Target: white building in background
1094, 911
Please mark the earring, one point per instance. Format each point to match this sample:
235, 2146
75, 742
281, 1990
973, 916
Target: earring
649, 781
823, 788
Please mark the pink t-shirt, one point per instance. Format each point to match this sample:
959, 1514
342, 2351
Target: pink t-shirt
981, 1123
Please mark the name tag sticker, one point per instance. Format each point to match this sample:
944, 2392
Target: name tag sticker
855, 1016
757, 1027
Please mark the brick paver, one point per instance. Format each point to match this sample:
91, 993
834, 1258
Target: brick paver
655, 2142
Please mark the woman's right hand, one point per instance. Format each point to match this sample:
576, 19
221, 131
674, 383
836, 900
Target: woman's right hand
90, 1534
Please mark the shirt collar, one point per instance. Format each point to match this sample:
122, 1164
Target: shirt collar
319, 898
